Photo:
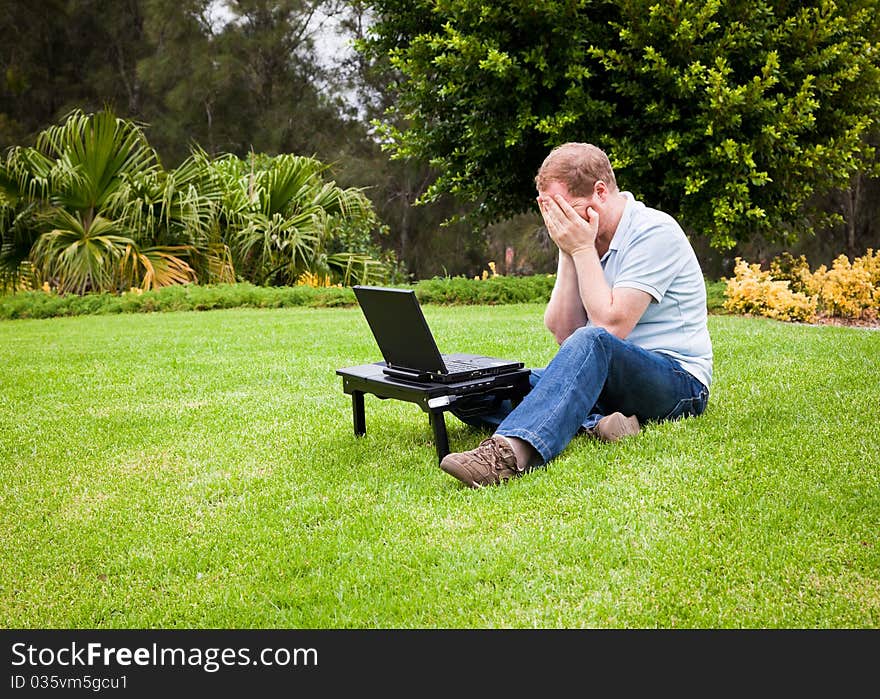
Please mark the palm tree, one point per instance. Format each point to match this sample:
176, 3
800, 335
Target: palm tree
90, 208
16, 236
284, 219
97, 194
181, 211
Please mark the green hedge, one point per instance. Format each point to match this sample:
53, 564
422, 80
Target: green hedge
40, 304
715, 296
491, 291
449, 290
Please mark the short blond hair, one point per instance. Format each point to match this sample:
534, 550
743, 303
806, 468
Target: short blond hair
578, 166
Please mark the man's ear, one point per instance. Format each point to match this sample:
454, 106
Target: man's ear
600, 189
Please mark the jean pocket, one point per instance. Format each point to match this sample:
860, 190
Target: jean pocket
689, 407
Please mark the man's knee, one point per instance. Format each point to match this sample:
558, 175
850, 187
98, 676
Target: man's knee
590, 335
585, 342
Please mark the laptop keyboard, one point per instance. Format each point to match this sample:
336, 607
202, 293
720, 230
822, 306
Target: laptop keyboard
454, 365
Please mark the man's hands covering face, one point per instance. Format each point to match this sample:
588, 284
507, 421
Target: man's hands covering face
571, 233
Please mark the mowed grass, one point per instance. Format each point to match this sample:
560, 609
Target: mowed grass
199, 470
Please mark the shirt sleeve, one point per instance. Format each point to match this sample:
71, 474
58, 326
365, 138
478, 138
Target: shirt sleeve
652, 260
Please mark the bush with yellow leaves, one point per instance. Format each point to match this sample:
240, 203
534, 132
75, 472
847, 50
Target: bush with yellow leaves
870, 262
790, 291
794, 270
752, 290
849, 290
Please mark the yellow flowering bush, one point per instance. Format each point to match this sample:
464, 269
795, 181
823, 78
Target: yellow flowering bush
870, 262
315, 280
790, 291
795, 270
752, 290
847, 290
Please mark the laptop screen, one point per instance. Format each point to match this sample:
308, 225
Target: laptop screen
399, 326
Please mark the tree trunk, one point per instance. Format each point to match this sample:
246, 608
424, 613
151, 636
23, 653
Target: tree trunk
851, 209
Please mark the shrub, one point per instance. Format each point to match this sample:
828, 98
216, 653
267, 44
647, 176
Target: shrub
494, 290
870, 262
752, 290
489, 291
794, 270
847, 290
790, 291
715, 296
90, 208
192, 297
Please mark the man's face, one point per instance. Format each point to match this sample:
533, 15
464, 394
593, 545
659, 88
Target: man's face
579, 204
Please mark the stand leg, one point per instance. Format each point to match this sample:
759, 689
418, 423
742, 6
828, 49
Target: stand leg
357, 408
441, 440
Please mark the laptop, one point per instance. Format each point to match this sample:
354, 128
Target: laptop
407, 345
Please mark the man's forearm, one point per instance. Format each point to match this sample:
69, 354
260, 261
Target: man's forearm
565, 311
595, 294
616, 310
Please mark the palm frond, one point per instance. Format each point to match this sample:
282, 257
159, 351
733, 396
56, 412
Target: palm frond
153, 268
28, 170
94, 154
286, 215
78, 256
288, 181
219, 264
356, 268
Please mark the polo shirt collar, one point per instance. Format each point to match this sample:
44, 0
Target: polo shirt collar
623, 226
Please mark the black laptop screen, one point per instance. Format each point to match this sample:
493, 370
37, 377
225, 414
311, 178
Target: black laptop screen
400, 328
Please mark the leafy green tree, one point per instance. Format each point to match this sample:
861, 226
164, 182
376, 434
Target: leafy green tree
732, 115
249, 79
420, 232
60, 55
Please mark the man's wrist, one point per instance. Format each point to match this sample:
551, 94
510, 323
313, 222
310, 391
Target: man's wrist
583, 250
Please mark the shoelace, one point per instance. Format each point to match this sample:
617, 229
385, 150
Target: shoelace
496, 461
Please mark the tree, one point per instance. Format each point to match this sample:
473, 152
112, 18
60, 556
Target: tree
731, 115
247, 77
420, 232
57, 56
249, 80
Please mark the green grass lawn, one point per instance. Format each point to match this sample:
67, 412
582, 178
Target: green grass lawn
199, 470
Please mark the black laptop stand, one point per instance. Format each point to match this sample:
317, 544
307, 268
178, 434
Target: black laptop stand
433, 398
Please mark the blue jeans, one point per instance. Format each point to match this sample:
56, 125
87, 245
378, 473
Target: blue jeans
592, 375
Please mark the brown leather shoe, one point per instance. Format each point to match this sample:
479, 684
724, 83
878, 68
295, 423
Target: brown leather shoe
489, 464
615, 426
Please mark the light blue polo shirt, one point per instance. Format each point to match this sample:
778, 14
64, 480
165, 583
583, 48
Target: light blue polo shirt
650, 252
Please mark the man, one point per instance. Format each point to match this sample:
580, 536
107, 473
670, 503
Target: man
629, 311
